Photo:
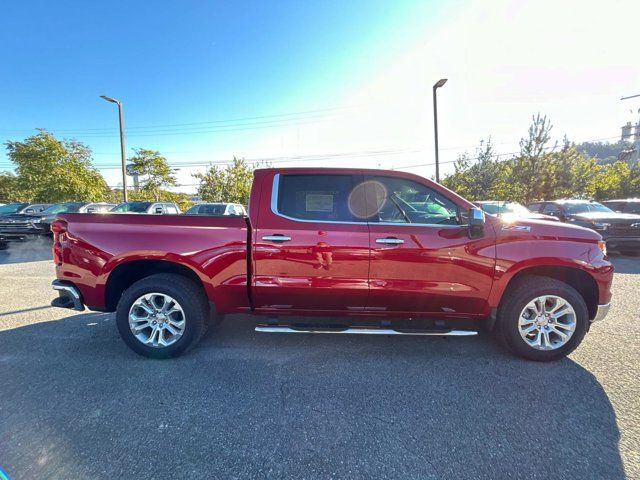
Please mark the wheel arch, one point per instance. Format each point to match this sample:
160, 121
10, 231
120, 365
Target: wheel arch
127, 273
575, 277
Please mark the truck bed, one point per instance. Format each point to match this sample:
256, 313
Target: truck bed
214, 248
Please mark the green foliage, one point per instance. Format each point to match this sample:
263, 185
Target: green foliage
52, 170
604, 152
231, 184
155, 171
542, 172
9, 189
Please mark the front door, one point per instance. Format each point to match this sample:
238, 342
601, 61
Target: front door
422, 259
310, 252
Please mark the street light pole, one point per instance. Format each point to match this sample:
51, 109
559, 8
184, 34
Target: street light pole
122, 148
438, 84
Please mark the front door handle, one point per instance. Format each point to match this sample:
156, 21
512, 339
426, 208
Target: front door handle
276, 238
390, 240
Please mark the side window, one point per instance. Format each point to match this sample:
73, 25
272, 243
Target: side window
631, 207
399, 200
534, 207
315, 197
551, 209
171, 209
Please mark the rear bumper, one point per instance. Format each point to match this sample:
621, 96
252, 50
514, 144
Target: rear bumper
601, 312
68, 296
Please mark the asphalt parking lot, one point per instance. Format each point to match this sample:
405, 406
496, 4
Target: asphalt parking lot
75, 402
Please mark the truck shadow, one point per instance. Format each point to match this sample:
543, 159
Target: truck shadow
242, 404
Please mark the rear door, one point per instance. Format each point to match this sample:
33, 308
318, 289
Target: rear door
311, 253
422, 259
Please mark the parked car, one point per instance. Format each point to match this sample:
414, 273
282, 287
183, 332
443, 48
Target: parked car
149, 208
510, 210
405, 254
621, 231
19, 227
629, 205
216, 209
22, 208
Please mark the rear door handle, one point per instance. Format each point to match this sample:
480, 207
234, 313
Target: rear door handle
390, 240
276, 238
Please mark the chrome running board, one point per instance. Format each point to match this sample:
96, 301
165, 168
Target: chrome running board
365, 331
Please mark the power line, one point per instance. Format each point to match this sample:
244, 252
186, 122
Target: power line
276, 117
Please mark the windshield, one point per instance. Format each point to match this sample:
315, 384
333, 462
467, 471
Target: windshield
135, 207
586, 207
62, 208
12, 207
504, 208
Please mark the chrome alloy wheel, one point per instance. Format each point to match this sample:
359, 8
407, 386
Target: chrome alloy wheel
156, 320
547, 322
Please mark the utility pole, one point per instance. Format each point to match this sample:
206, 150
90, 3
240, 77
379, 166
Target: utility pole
636, 150
437, 85
122, 149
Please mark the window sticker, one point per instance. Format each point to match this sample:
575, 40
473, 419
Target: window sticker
318, 202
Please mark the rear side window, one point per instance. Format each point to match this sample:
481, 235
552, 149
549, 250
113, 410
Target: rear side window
315, 197
171, 209
632, 207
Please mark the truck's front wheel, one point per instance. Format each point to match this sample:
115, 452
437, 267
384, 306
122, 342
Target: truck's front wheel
542, 319
162, 315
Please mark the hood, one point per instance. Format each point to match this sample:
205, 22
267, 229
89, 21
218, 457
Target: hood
534, 228
606, 216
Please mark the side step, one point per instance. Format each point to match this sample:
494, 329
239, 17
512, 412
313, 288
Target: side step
364, 331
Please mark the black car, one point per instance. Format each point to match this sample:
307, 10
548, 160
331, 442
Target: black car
621, 231
22, 208
628, 205
21, 226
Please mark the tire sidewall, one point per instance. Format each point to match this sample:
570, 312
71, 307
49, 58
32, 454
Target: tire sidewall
511, 315
190, 310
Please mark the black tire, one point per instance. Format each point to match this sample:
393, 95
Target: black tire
515, 300
192, 300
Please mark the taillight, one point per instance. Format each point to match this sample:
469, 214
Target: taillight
58, 228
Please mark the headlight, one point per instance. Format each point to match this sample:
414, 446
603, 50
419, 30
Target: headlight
602, 246
600, 225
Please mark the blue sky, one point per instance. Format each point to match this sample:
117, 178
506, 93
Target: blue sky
314, 82
184, 62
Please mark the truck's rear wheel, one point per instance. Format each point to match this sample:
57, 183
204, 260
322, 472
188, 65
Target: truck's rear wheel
542, 319
162, 315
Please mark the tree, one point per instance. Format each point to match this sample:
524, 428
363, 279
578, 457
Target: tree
530, 174
52, 170
9, 189
156, 169
231, 184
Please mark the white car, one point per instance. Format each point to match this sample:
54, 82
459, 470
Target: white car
149, 208
216, 209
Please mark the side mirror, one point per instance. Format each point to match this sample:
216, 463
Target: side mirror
159, 210
476, 223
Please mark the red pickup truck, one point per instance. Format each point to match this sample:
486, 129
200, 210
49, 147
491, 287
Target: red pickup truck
390, 252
